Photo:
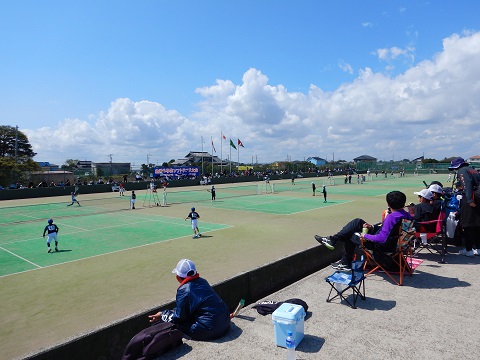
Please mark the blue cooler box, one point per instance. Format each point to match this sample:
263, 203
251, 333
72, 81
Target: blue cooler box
288, 317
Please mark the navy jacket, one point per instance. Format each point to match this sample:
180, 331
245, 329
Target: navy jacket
199, 311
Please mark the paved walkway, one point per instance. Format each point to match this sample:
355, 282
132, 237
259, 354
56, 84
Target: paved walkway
432, 316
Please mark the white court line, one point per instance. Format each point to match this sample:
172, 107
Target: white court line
38, 266
94, 256
121, 225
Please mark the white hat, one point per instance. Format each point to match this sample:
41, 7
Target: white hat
436, 188
425, 193
184, 267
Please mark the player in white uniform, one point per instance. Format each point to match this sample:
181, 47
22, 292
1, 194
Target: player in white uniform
52, 230
194, 216
74, 199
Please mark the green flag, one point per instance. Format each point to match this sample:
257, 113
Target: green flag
232, 144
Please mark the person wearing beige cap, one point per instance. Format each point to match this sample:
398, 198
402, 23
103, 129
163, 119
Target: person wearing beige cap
199, 312
424, 210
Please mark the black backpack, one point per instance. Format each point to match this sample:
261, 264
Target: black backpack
153, 341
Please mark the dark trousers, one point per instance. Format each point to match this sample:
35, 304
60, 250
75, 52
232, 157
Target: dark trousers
351, 241
470, 234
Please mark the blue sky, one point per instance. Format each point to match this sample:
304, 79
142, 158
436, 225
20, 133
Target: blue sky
291, 79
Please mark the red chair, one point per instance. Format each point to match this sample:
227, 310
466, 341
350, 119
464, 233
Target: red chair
432, 238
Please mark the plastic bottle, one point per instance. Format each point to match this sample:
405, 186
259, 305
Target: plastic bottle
290, 345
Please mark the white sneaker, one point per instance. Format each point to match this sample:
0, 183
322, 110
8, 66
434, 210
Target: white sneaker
466, 253
476, 252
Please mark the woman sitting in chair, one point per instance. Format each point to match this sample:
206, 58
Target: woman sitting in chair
357, 229
424, 211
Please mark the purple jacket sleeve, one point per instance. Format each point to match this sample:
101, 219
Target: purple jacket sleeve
387, 226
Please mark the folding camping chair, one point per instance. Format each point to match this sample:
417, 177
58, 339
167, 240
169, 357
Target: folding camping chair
432, 238
398, 259
341, 282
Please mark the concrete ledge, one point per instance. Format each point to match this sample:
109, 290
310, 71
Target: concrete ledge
109, 342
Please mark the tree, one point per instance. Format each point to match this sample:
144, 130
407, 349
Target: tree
69, 164
15, 156
10, 139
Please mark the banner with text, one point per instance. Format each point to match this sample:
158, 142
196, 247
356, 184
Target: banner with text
176, 172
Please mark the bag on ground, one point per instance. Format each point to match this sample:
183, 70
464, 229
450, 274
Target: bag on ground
153, 341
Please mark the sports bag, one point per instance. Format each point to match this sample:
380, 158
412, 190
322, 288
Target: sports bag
153, 341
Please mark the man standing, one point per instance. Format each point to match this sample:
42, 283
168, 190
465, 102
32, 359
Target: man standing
469, 205
213, 193
313, 188
324, 191
133, 200
52, 230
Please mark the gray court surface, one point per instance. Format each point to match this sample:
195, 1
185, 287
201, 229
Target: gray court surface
432, 316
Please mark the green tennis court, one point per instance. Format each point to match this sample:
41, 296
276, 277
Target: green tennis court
102, 226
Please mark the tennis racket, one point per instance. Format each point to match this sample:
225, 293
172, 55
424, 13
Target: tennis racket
75, 192
237, 309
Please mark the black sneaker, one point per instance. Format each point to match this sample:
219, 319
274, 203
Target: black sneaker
335, 264
327, 241
342, 267
49, 250
56, 249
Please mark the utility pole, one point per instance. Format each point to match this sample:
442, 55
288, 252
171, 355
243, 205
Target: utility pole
111, 164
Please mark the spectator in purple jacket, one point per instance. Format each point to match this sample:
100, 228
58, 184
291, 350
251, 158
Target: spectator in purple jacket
376, 235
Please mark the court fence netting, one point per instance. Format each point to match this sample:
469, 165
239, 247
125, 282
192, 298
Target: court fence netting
114, 203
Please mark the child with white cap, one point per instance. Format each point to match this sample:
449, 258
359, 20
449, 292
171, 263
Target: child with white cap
424, 210
199, 312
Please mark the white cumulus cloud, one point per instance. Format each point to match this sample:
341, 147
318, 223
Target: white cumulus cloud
431, 108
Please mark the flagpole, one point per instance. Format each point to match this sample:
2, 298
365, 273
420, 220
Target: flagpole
221, 153
202, 156
230, 157
211, 138
238, 156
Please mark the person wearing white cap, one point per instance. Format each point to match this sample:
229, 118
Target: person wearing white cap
437, 200
424, 210
199, 312
469, 205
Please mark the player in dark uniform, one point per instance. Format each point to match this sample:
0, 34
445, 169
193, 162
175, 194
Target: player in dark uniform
213, 193
194, 216
52, 230
133, 199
